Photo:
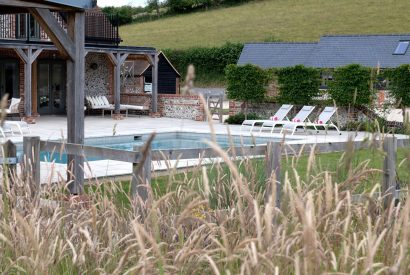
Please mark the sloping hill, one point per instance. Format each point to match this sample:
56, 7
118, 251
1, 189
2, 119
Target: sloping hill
287, 20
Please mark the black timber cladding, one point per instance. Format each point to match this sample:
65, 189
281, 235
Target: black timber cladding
167, 76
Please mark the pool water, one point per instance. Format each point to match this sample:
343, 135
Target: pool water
162, 141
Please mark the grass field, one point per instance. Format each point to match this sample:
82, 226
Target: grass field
286, 20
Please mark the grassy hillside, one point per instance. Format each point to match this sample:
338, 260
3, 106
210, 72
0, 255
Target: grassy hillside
288, 20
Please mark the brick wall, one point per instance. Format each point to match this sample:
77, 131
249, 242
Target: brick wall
184, 107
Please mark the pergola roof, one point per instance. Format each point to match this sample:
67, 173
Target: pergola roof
18, 6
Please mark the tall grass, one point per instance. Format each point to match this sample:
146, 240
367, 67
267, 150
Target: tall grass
204, 226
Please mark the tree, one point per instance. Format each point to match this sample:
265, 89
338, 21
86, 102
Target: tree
400, 86
154, 5
246, 83
298, 84
351, 85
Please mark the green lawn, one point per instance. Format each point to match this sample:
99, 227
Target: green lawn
286, 20
336, 164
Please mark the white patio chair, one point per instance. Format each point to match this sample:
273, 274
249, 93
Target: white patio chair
322, 121
301, 116
280, 115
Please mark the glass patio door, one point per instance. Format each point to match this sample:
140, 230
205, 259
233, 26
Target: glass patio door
9, 78
51, 89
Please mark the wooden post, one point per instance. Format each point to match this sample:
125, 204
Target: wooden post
31, 161
389, 169
221, 107
28, 58
141, 176
9, 161
273, 158
154, 100
117, 60
75, 99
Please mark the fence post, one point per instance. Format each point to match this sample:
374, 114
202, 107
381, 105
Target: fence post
31, 159
141, 175
273, 158
9, 161
389, 170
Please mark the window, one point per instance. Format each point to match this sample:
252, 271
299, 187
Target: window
402, 48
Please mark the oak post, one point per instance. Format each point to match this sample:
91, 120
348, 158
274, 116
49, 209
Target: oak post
31, 162
389, 170
155, 84
75, 100
9, 162
273, 173
141, 175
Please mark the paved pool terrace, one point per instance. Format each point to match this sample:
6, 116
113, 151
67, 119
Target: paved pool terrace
54, 128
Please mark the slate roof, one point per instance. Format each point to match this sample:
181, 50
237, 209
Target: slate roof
276, 55
330, 52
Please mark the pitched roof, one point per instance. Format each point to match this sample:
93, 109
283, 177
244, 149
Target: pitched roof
367, 50
268, 55
330, 52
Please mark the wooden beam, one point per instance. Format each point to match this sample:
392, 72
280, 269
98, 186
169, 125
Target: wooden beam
56, 33
154, 104
150, 59
24, 4
75, 99
91, 151
35, 54
22, 55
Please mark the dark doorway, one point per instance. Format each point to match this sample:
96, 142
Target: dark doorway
51, 87
9, 78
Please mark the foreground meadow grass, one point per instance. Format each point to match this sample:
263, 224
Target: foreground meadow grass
211, 223
285, 20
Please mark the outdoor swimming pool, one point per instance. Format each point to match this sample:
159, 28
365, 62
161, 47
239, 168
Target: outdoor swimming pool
162, 141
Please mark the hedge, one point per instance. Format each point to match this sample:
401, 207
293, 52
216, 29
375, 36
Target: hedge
400, 84
298, 84
246, 83
209, 63
351, 85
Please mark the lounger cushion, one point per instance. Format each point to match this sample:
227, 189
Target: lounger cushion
14, 105
133, 107
99, 101
96, 102
105, 101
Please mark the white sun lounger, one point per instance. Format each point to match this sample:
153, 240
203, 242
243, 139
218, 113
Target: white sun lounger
322, 121
280, 115
6, 129
20, 125
301, 116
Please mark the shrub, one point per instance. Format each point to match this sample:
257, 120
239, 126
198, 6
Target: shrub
298, 84
351, 85
239, 118
246, 83
209, 63
400, 85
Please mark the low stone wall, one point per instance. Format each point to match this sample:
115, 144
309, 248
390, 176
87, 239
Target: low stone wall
179, 106
266, 110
